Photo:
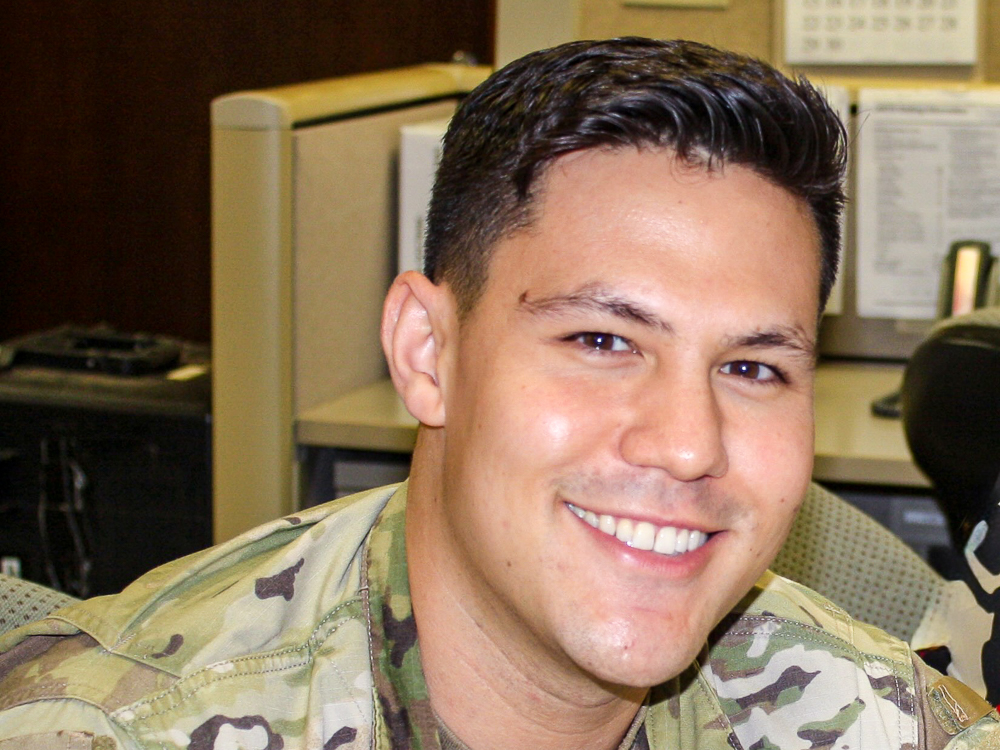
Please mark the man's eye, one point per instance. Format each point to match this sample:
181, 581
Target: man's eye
603, 342
752, 371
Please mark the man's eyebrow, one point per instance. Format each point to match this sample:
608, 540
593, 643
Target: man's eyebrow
792, 338
593, 298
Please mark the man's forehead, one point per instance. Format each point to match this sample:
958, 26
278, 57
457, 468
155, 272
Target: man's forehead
568, 183
570, 174
690, 169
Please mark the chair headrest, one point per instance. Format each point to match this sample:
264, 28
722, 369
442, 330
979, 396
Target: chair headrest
951, 414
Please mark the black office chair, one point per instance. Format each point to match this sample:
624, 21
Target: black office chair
951, 415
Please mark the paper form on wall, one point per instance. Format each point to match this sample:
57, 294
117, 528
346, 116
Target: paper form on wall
840, 99
880, 32
928, 175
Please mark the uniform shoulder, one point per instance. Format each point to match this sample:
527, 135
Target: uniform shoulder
280, 587
789, 663
780, 601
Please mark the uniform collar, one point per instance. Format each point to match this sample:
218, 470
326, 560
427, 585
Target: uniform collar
403, 715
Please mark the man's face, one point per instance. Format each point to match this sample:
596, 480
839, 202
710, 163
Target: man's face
628, 429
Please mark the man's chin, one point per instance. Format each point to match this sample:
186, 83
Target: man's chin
641, 668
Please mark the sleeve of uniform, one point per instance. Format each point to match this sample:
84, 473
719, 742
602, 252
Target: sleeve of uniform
40, 707
62, 724
952, 716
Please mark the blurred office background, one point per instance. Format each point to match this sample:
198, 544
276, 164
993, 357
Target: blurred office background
104, 149
104, 152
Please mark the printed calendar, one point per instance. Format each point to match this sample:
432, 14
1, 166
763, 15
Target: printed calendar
880, 32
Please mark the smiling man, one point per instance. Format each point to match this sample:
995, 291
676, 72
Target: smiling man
619, 432
611, 357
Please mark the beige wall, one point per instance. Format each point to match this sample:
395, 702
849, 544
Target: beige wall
991, 40
526, 25
745, 26
749, 26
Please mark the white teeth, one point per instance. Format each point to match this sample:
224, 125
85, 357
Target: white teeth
681, 545
644, 535
625, 530
666, 540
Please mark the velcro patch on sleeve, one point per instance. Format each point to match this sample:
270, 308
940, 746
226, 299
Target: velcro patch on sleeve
955, 705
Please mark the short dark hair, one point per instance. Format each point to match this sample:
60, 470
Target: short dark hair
708, 106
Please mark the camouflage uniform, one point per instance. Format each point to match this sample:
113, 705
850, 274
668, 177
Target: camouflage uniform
299, 634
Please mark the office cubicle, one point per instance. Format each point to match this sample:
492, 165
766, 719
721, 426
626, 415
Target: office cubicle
303, 248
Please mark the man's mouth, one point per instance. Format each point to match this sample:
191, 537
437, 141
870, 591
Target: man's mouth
642, 535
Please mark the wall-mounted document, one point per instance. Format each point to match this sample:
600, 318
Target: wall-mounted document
880, 32
928, 174
419, 154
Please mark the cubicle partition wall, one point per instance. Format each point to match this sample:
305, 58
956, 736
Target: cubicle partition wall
303, 249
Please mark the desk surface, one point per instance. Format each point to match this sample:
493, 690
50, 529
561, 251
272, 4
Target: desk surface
852, 446
370, 418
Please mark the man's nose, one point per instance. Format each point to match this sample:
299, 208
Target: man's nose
678, 426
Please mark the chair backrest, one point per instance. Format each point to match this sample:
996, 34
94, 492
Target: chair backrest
22, 602
951, 414
851, 559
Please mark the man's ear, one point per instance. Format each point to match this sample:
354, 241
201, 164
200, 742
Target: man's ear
416, 321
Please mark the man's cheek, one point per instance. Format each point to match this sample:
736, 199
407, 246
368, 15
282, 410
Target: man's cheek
549, 417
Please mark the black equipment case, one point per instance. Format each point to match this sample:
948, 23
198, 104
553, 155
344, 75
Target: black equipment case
105, 456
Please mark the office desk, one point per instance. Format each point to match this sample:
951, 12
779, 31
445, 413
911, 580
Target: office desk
852, 446
371, 418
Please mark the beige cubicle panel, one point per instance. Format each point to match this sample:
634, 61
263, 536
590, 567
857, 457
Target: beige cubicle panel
303, 248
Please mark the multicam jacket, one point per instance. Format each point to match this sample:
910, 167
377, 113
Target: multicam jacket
299, 634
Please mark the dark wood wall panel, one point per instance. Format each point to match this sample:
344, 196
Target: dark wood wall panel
104, 151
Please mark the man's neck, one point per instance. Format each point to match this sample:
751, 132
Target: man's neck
491, 702
450, 741
490, 694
